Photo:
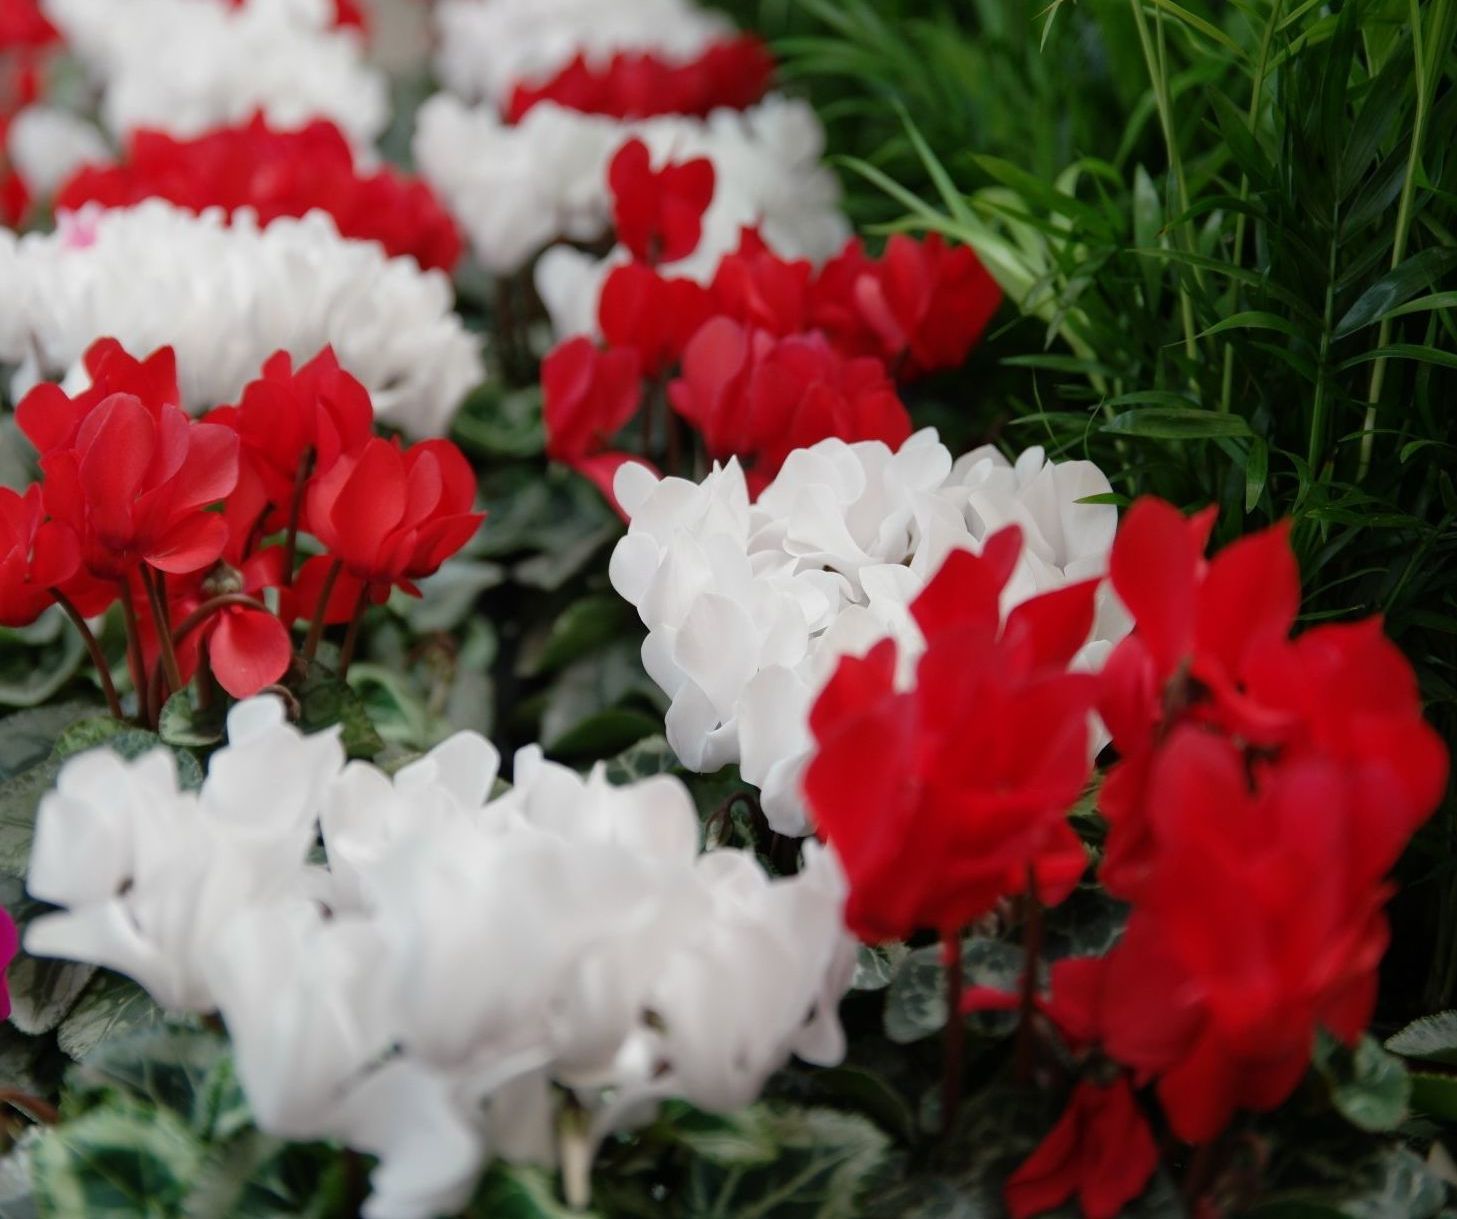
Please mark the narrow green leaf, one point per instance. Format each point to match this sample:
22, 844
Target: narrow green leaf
1396, 287
1176, 423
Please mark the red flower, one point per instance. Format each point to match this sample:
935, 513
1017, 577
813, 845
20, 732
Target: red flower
733, 73
35, 556
295, 425
128, 471
392, 516
1259, 923
760, 398
658, 214
24, 24
920, 308
940, 799
755, 286
9, 946
654, 315
1101, 1151
589, 395
276, 173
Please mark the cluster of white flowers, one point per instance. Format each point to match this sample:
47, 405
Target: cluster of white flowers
226, 295
518, 188
419, 995
487, 47
185, 66
749, 606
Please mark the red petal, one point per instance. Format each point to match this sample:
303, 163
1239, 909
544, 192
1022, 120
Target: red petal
249, 649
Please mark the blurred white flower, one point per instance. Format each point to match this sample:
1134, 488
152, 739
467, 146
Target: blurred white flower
487, 47
184, 66
460, 952
516, 189
749, 607
227, 294
148, 875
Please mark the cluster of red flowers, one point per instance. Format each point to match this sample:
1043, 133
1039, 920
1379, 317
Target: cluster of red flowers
276, 173
772, 355
1265, 787
733, 73
190, 523
24, 35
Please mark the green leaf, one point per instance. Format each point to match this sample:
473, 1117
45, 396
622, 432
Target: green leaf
510, 1191
1392, 1185
88, 734
450, 595
38, 660
581, 628
1368, 1086
28, 737
1396, 287
826, 1161
1257, 472
498, 422
324, 701
124, 1161
183, 724
915, 1005
650, 756
185, 1070
1176, 423
20, 796
110, 1006
876, 966
1434, 1095
728, 1140
1433, 1038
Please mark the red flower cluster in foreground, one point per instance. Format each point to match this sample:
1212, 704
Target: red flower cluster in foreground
276, 173
771, 356
189, 523
1264, 789
931, 829
733, 73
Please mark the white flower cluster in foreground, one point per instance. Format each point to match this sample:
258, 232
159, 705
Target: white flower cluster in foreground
418, 995
518, 188
227, 294
487, 47
749, 606
188, 65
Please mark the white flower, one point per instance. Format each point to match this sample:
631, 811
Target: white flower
227, 294
749, 607
460, 952
516, 189
149, 874
47, 145
487, 47
185, 66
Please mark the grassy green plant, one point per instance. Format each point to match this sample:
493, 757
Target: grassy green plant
1226, 232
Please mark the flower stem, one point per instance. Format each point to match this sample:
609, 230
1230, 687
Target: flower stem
295, 509
351, 635
135, 660
208, 608
1031, 959
316, 625
93, 646
955, 1043
32, 1106
156, 584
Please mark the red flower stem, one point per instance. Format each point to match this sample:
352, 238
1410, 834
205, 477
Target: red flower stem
295, 509
93, 646
316, 626
156, 583
208, 608
32, 1106
351, 635
1031, 958
134, 652
955, 1042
